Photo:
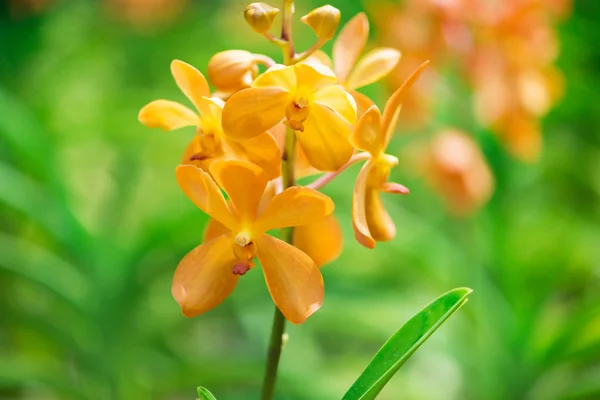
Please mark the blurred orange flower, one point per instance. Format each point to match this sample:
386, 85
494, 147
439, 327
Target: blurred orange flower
209, 143
456, 169
308, 97
504, 49
372, 134
208, 274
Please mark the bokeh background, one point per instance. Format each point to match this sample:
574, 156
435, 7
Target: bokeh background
92, 223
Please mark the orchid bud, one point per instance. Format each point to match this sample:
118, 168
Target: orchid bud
232, 70
323, 21
260, 16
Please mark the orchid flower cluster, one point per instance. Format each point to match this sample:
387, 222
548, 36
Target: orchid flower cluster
259, 132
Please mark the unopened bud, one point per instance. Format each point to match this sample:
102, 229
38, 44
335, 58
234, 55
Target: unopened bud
260, 16
232, 70
323, 21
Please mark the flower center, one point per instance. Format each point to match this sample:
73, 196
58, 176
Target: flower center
243, 238
209, 144
297, 112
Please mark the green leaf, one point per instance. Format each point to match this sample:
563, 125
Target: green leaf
205, 394
394, 353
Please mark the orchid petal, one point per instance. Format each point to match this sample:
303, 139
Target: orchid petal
243, 182
191, 82
278, 76
200, 188
261, 150
372, 67
294, 206
314, 76
325, 139
293, 278
359, 212
204, 277
367, 134
392, 108
213, 229
349, 44
322, 240
380, 223
167, 115
339, 100
250, 112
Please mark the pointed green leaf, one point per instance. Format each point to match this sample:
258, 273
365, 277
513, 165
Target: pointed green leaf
404, 343
205, 394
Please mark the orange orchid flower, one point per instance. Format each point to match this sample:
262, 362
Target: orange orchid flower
321, 240
308, 97
209, 143
208, 274
347, 49
372, 134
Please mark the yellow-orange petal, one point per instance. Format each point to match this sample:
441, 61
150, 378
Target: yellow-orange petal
204, 277
363, 102
278, 76
392, 107
319, 57
367, 134
250, 112
200, 188
194, 155
294, 206
293, 278
263, 151
339, 100
191, 82
325, 139
359, 212
380, 223
372, 67
349, 44
213, 229
322, 240
212, 110
167, 115
302, 167
313, 76
243, 182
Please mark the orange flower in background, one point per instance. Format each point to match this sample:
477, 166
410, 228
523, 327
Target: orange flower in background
504, 49
372, 134
513, 74
309, 100
208, 274
209, 143
456, 169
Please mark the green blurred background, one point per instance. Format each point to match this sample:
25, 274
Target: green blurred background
92, 226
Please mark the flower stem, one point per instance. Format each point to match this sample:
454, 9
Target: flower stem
287, 234
328, 177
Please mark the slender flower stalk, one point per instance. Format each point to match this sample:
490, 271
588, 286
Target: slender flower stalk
325, 179
287, 235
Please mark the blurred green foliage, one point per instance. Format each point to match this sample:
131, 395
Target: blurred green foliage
92, 225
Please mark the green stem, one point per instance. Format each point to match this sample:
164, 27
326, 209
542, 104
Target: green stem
275, 346
287, 234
